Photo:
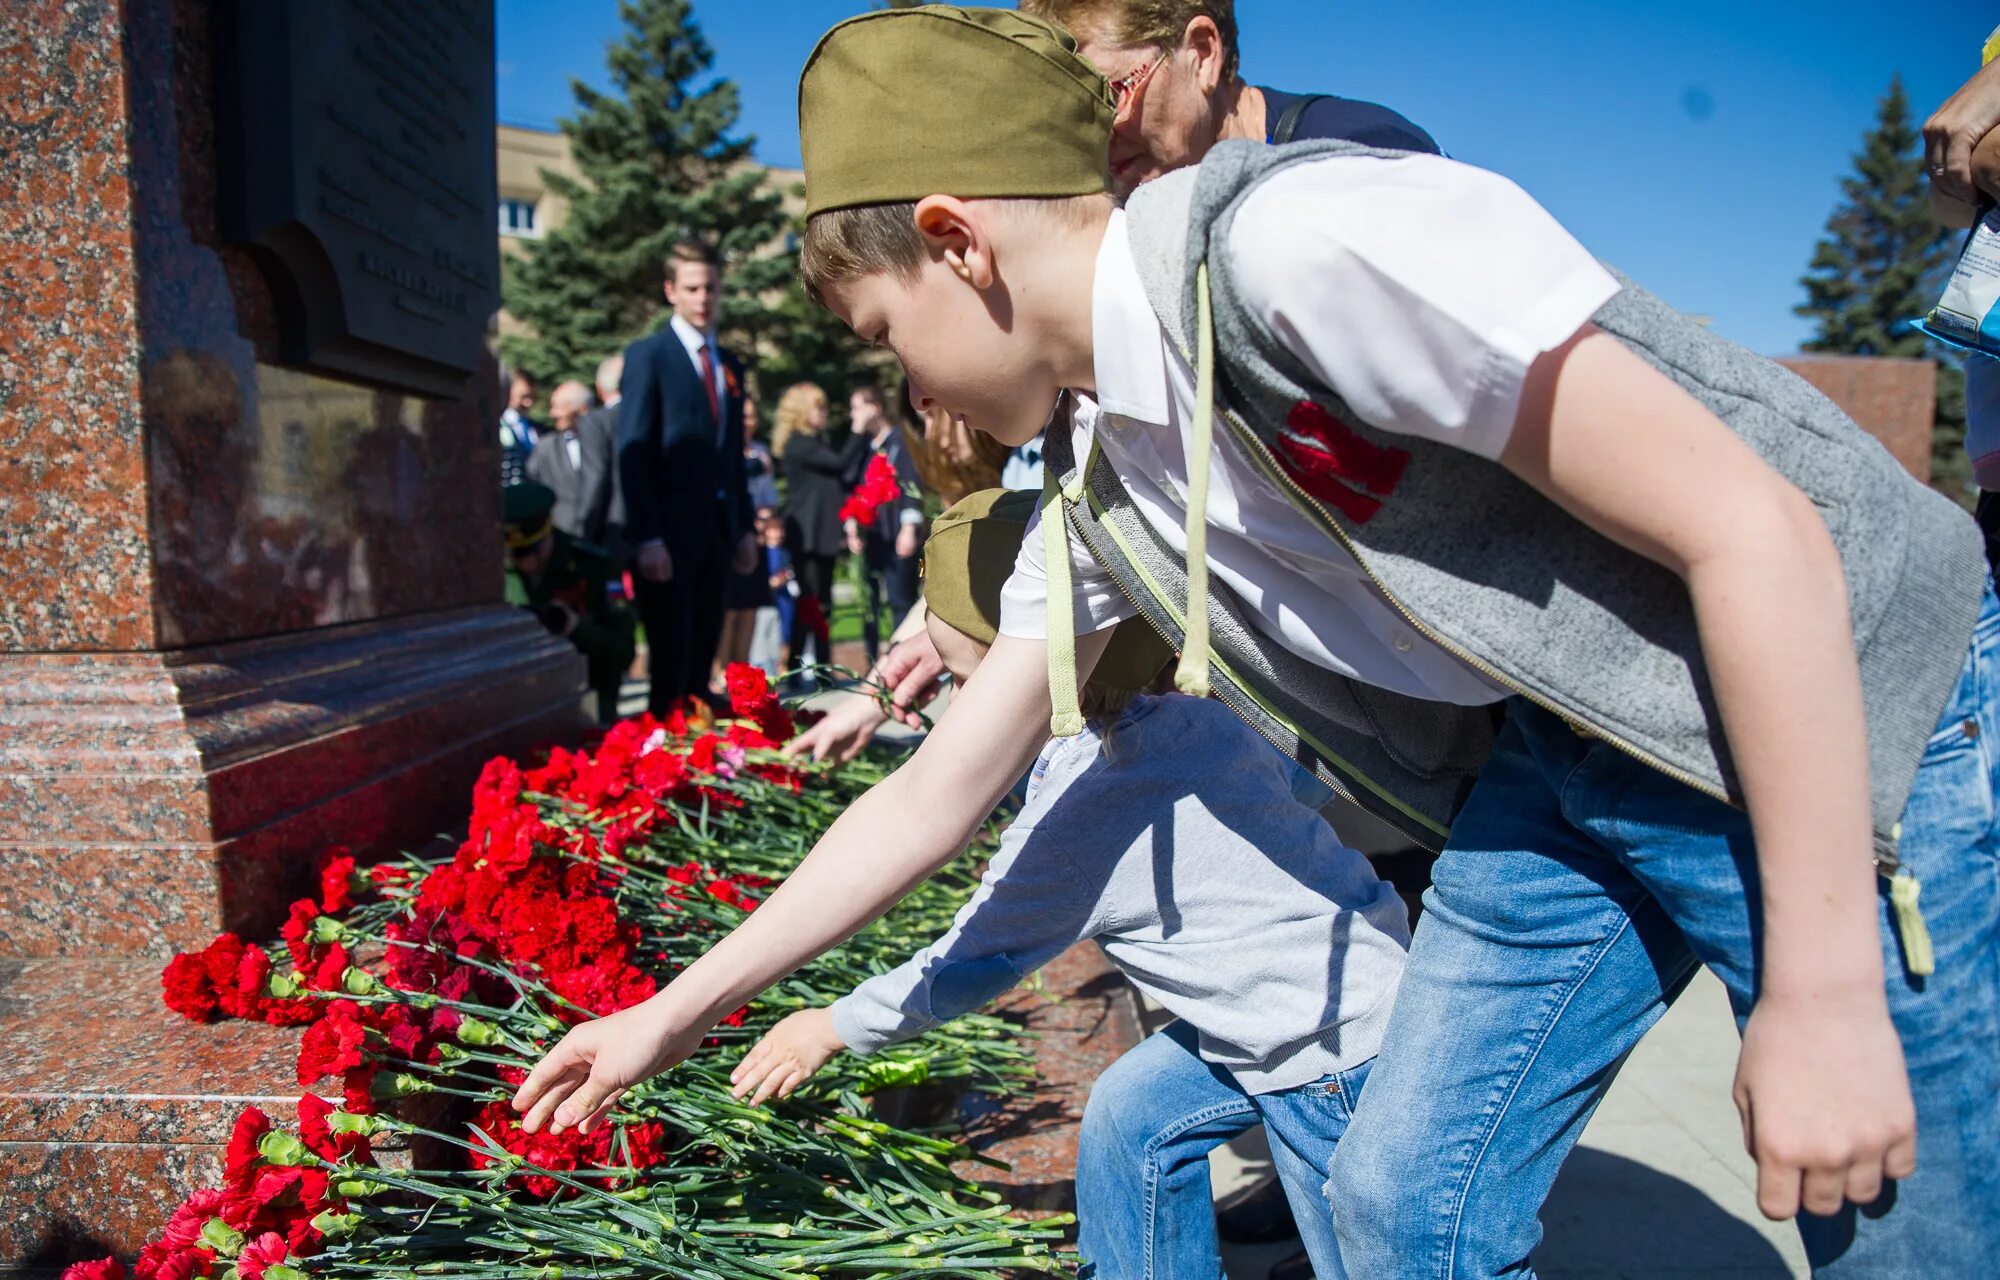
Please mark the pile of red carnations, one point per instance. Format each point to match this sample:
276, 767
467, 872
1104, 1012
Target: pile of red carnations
427, 989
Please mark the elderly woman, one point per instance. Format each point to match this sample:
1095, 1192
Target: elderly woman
1173, 65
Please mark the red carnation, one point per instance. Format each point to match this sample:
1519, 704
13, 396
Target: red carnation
298, 927
748, 686
242, 1159
315, 1132
100, 1269
336, 880
333, 1044
267, 1250
878, 488
187, 989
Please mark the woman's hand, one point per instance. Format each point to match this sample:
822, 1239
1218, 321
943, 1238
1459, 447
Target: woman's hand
786, 1057
578, 1082
1954, 131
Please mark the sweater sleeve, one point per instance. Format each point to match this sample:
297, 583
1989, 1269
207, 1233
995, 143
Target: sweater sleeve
1028, 910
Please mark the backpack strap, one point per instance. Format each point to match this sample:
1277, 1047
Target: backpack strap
1288, 119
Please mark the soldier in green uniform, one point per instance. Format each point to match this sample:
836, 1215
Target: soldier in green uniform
562, 582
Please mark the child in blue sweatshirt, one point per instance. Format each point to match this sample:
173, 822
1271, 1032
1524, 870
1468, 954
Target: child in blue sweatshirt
1168, 832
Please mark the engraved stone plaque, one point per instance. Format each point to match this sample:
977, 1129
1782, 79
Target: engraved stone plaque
357, 163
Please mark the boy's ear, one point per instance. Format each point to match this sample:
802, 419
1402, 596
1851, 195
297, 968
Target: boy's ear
959, 238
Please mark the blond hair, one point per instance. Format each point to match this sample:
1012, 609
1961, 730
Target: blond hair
882, 239
693, 253
1131, 24
794, 409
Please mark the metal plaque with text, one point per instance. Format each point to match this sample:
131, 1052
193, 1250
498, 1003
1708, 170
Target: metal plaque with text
357, 163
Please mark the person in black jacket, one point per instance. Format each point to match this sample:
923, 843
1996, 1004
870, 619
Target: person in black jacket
680, 462
818, 477
889, 544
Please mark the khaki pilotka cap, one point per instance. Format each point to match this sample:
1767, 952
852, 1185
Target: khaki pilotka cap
904, 103
967, 560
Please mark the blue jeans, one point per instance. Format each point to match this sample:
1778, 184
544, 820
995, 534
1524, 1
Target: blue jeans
1144, 1211
1579, 892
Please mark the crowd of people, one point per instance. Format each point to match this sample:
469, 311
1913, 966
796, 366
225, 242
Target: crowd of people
658, 486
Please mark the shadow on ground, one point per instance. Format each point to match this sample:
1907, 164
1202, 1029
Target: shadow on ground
1610, 1218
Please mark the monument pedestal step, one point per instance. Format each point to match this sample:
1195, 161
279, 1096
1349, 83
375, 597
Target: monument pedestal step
149, 801
112, 1107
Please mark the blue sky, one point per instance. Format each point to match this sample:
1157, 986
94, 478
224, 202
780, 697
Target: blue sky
1696, 145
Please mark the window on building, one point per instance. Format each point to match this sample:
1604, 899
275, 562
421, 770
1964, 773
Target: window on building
517, 218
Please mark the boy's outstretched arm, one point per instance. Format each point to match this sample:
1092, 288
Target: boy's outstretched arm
912, 823
1821, 1084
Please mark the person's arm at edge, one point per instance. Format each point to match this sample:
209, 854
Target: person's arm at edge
868, 859
1821, 1081
909, 670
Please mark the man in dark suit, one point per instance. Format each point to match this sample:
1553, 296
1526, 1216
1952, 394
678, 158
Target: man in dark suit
680, 460
578, 461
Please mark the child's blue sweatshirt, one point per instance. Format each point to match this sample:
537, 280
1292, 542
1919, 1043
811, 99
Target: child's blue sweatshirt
1182, 850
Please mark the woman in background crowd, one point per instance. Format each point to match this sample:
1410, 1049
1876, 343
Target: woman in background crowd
817, 477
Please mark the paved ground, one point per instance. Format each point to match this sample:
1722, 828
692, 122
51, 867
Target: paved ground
1660, 1188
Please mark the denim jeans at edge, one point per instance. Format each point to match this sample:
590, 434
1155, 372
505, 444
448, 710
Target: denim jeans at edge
1144, 1210
1578, 893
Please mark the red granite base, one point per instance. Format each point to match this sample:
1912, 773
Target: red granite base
112, 1110
150, 800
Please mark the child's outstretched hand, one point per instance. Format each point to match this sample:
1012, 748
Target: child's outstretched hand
581, 1079
786, 1057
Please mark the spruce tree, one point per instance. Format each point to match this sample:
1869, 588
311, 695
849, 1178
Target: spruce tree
659, 163
1881, 264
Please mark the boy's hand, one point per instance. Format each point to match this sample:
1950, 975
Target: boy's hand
1825, 1101
581, 1079
786, 1057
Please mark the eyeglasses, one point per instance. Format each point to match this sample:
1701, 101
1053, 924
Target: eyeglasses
1126, 89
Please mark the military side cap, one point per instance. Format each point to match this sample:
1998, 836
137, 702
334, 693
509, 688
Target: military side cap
903, 103
526, 509
967, 560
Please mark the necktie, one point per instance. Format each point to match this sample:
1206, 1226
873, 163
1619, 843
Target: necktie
708, 385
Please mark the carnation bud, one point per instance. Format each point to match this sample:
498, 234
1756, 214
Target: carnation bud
403, 1084
282, 1149
349, 1122
325, 929
358, 1188
285, 986
451, 1053
336, 1226
478, 1032
359, 982
224, 1239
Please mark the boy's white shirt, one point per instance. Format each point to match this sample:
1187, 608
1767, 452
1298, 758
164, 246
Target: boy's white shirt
1420, 290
